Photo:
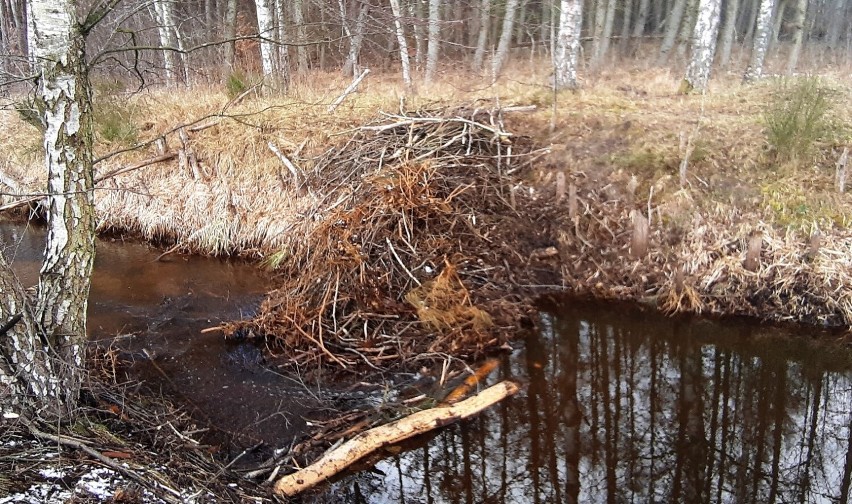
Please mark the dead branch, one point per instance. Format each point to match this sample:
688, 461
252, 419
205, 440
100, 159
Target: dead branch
349, 90
367, 442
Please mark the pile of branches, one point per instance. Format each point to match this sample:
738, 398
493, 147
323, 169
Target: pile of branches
412, 248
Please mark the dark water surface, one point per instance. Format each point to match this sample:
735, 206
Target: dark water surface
153, 312
623, 406
619, 406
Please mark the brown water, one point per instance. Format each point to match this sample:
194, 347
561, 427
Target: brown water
619, 405
623, 406
154, 312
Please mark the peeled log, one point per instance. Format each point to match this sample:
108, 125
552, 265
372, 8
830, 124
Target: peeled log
369, 441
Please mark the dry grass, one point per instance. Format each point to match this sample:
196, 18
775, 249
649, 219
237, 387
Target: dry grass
621, 140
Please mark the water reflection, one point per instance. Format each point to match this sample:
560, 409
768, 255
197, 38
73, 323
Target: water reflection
625, 407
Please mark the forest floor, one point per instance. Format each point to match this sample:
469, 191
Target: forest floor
415, 229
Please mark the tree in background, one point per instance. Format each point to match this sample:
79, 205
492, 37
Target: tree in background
761, 41
703, 46
568, 44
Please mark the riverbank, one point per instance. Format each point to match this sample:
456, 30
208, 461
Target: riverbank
624, 190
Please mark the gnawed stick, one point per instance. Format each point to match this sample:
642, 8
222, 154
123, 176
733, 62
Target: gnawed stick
369, 441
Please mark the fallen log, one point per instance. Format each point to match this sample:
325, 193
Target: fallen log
367, 442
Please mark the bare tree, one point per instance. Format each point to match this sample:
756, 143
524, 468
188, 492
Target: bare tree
568, 44
482, 38
798, 35
301, 36
230, 31
403, 45
728, 31
761, 41
672, 24
356, 37
41, 350
703, 45
433, 43
266, 29
505, 39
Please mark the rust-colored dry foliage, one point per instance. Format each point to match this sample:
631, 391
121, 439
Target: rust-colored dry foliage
408, 255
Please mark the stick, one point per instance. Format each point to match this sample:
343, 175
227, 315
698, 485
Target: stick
297, 177
369, 441
349, 90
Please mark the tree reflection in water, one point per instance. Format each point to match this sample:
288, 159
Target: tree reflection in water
630, 407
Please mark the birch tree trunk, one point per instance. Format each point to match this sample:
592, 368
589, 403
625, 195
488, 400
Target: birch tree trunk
266, 29
672, 25
281, 50
761, 42
166, 40
41, 357
703, 45
230, 32
603, 36
505, 39
568, 44
356, 38
433, 43
419, 40
403, 45
728, 31
482, 39
798, 35
301, 37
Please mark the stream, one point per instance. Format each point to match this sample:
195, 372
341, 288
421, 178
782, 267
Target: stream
619, 405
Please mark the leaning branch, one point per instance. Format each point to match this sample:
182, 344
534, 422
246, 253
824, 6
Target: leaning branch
367, 442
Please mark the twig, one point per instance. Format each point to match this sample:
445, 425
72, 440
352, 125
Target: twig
349, 90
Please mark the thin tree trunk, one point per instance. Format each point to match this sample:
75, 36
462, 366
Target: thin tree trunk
352, 65
403, 45
728, 31
798, 35
641, 19
761, 42
482, 39
597, 27
281, 49
703, 44
301, 37
606, 35
672, 25
505, 39
687, 27
434, 43
166, 40
230, 32
568, 44
266, 29
776, 25
624, 43
419, 31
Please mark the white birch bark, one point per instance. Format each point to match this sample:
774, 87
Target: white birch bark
403, 45
281, 51
415, 11
175, 34
505, 42
356, 37
433, 44
761, 41
568, 44
266, 29
703, 44
482, 38
42, 356
728, 31
166, 41
798, 35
